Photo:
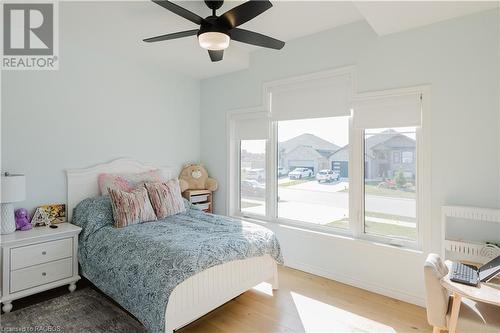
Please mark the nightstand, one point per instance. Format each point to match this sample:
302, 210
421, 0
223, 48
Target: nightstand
200, 198
37, 260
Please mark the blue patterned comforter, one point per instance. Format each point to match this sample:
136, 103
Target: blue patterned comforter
139, 266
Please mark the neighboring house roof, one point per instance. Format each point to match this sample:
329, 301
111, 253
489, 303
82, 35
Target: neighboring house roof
303, 153
386, 139
397, 141
340, 155
379, 138
343, 154
324, 153
309, 140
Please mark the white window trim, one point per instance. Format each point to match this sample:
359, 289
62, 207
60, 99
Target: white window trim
356, 172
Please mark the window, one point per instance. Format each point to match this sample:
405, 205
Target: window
313, 174
389, 187
396, 157
407, 157
309, 163
253, 176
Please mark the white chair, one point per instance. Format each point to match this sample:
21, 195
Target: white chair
474, 317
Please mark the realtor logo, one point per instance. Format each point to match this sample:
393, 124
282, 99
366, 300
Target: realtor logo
29, 36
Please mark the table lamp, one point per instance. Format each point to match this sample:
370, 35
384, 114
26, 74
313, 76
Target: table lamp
13, 190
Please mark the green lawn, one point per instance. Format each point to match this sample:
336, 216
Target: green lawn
386, 192
246, 204
391, 217
295, 182
380, 228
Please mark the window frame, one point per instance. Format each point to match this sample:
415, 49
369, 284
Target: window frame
395, 241
356, 166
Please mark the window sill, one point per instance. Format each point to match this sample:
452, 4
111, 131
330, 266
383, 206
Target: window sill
332, 235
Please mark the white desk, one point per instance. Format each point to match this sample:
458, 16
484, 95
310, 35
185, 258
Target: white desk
485, 292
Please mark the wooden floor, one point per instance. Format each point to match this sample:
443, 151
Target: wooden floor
308, 303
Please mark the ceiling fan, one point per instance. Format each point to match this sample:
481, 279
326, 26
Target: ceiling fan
215, 32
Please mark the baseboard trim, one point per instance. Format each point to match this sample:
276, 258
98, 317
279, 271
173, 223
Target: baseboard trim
369, 286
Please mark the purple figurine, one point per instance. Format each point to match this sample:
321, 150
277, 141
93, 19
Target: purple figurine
22, 219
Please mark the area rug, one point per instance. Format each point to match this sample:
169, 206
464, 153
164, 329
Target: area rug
84, 310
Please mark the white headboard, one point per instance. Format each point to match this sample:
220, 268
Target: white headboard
82, 183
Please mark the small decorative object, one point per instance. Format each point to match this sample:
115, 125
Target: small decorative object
490, 251
22, 219
13, 190
56, 213
40, 218
195, 177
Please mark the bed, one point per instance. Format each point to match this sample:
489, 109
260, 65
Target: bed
170, 272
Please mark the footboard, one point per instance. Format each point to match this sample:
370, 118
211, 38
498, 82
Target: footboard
213, 287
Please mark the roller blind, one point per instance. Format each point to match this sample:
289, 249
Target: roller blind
316, 98
388, 111
251, 129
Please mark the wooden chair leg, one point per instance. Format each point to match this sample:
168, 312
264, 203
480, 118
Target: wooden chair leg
455, 310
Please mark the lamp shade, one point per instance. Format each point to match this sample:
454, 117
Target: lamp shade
13, 188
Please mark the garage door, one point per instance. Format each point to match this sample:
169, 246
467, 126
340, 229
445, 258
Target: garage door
342, 167
292, 164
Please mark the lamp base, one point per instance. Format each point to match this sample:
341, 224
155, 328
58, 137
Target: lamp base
8, 222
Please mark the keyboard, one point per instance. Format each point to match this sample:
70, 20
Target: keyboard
464, 274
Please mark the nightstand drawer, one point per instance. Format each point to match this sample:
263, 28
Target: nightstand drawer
40, 274
40, 253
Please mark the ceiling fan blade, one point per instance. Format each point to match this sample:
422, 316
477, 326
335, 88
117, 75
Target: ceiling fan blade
255, 38
172, 36
216, 55
176, 9
244, 13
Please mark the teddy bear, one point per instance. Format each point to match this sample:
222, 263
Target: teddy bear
22, 219
195, 177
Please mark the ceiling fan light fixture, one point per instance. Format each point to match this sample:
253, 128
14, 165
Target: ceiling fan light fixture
214, 41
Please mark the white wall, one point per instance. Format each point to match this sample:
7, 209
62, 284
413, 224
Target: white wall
104, 102
458, 58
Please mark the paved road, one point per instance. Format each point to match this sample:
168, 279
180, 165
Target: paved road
379, 204
323, 203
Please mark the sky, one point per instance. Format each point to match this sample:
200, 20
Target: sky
335, 130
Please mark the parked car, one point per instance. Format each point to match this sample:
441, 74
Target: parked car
299, 173
256, 174
252, 188
282, 172
327, 176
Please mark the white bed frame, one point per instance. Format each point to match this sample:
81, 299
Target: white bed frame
202, 292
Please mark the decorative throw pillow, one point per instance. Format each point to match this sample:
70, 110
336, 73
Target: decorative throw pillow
127, 181
166, 198
131, 207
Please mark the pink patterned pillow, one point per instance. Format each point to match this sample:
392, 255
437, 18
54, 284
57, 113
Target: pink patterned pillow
166, 198
131, 207
127, 181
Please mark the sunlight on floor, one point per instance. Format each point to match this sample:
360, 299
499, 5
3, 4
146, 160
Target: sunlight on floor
264, 288
317, 316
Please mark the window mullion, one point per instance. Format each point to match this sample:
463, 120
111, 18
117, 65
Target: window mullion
271, 178
356, 177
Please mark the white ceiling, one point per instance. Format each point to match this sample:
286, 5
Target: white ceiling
134, 20
386, 17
